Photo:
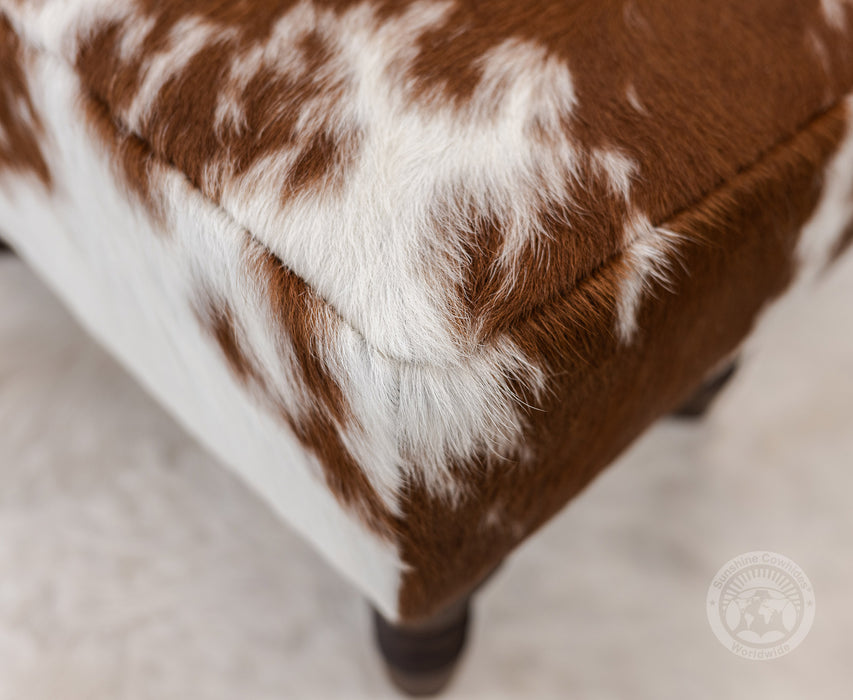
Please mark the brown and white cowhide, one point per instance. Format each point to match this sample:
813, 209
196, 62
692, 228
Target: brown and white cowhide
418, 270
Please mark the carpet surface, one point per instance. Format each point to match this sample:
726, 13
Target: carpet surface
133, 567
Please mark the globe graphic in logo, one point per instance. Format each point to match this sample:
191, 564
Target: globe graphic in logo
760, 605
755, 610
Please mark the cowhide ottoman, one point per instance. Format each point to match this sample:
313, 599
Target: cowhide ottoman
419, 270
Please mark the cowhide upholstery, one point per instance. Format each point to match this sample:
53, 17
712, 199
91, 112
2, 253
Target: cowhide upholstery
418, 270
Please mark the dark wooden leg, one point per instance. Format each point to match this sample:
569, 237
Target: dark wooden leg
698, 404
421, 657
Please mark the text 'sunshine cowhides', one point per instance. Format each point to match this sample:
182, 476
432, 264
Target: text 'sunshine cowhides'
418, 270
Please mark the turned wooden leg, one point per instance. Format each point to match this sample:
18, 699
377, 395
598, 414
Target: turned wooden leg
700, 401
421, 657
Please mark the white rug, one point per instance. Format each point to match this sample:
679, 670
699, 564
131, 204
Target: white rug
133, 567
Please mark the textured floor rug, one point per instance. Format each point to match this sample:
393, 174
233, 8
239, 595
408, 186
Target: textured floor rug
133, 567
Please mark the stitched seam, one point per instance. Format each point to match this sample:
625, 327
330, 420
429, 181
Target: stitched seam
563, 293
697, 202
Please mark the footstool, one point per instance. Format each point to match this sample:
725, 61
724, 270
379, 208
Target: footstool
417, 271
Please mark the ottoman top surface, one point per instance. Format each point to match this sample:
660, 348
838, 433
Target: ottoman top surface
438, 171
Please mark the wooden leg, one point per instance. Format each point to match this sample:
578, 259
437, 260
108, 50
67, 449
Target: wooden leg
698, 404
421, 657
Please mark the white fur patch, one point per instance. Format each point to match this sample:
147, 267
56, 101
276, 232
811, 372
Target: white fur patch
618, 169
649, 255
834, 211
634, 99
834, 12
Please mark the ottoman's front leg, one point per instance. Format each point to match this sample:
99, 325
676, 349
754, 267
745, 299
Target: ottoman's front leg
421, 657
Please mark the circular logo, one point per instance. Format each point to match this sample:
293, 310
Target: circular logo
760, 605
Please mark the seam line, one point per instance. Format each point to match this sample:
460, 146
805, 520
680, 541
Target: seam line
563, 293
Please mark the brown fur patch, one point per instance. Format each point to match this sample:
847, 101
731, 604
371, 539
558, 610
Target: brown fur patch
21, 132
740, 253
588, 227
219, 320
181, 126
129, 157
322, 163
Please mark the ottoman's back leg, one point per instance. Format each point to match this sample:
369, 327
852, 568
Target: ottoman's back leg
698, 403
